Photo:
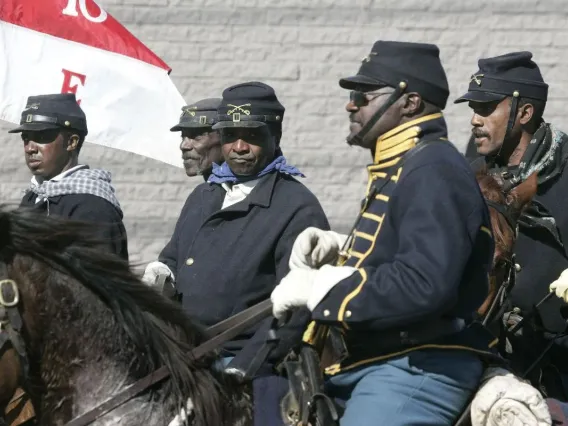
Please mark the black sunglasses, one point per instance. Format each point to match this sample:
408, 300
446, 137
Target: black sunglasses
361, 99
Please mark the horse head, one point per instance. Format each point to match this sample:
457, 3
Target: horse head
77, 326
505, 209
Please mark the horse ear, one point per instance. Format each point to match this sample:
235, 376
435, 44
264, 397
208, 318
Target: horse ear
521, 196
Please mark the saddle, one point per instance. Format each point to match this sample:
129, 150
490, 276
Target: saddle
307, 404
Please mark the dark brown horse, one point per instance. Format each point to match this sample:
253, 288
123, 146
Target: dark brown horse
90, 328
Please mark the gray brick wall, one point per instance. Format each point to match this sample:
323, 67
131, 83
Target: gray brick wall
302, 47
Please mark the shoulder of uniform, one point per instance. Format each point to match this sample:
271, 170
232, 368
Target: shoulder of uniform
291, 190
90, 200
443, 154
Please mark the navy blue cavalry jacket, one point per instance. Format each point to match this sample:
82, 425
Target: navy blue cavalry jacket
541, 256
87, 208
423, 249
225, 261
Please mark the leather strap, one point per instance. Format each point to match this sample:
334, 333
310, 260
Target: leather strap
358, 138
225, 331
504, 211
37, 118
261, 356
512, 116
236, 117
262, 308
33, 118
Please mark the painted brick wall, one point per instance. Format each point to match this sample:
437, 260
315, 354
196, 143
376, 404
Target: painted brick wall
302, 47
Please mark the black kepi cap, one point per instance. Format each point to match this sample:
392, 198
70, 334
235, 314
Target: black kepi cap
416, 65
201, 114
513, 74
251, 104
54, 111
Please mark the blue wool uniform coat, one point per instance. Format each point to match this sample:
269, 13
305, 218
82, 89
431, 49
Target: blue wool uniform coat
228, 260
423, 250
87, 208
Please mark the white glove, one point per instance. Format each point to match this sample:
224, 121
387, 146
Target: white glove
560, 286
306, 287
314, 247
506, 400
153, 271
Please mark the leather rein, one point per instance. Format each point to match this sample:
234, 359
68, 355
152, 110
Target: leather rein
11, 326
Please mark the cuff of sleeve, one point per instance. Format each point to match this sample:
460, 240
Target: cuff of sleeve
326, 278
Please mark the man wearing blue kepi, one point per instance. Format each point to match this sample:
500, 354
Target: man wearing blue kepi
413, 272
234, 243
507, 96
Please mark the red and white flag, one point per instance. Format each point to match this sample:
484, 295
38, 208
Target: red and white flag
74, 46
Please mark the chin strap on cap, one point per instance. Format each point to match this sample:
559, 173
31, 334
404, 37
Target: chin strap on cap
398, 92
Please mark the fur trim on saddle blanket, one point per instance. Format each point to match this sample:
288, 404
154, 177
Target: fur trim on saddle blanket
506, 400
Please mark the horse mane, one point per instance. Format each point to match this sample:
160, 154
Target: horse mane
157, 327
503, 234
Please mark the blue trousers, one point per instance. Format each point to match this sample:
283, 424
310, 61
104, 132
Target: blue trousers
429, 387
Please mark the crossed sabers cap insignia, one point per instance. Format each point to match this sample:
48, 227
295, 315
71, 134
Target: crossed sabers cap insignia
189, 111
477, 78
368, 57
238, 108
236, 111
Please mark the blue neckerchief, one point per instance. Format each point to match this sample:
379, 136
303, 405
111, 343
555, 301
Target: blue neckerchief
222, 173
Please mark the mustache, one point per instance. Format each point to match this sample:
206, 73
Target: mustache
478, 133
34, 158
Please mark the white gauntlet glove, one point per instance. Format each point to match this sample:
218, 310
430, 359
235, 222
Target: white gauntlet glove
314, 248
306, 287
560, 286
153, 271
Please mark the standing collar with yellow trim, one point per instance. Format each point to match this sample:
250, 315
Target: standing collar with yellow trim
404, 137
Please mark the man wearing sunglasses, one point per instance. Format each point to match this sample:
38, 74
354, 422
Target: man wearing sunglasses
401, 290
53, 129
200, 148
237, 232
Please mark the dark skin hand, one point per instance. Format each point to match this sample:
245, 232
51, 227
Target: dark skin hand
247, 150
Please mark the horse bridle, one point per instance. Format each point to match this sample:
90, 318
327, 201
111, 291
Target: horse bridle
11, 322
510, 275
11, 325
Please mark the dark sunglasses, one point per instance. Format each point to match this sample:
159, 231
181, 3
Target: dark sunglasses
361, 99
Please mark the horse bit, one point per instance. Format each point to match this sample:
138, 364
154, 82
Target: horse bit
11, 322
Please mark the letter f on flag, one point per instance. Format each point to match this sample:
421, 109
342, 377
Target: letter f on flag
74, 46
